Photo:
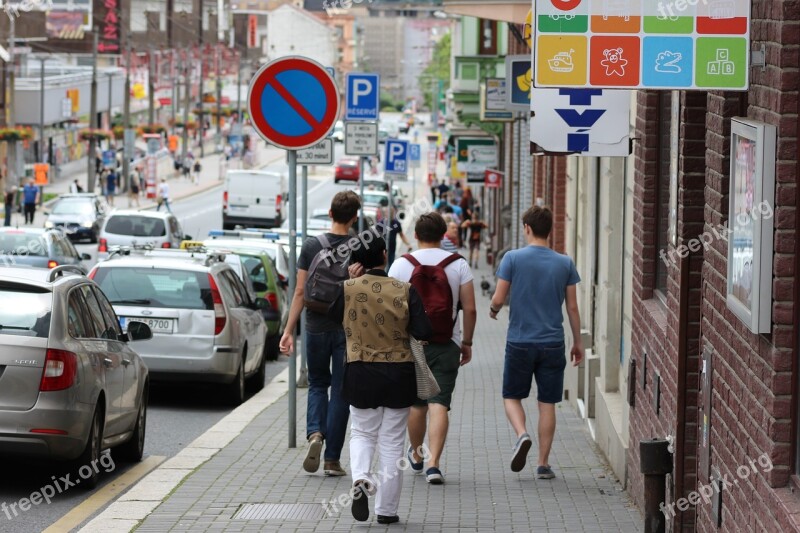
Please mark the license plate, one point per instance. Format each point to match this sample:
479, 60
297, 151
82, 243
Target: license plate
157, 325
238, 208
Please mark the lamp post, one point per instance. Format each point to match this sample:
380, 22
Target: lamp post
42, 61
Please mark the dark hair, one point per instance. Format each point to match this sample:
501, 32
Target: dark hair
430, 227
345, 206
370, 252
540, 220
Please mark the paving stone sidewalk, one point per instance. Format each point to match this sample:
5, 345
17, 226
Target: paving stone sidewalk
481, 493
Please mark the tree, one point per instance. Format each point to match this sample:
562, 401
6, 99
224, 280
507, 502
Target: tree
437, 71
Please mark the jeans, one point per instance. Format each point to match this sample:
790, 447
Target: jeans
327, 415
30, 211
9, 208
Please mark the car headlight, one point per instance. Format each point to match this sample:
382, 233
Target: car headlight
48, 224
87, 224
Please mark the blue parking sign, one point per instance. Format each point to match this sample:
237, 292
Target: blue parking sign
396, 157
362, 96
414, 152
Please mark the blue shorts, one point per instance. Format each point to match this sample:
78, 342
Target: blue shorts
526, 360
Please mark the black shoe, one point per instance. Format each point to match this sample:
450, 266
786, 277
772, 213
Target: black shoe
388, 519
360, 507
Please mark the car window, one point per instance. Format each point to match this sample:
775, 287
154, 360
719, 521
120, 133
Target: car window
136, 226
72, 206
63, 248
155, 287
103, 329
174, 228
239, 292
255, 267
19, 242
24, 310
76, 312
108, 312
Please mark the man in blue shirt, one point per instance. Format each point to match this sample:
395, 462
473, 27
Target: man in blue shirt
538, 280
30, 197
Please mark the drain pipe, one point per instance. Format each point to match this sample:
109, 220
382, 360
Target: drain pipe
655, 462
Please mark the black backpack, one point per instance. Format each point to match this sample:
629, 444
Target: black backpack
328, 269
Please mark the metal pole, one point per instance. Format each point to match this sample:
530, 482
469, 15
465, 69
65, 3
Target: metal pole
92, 155
126, 115
361, 192
176, 69
41, 109
239, 93
292, 284
302, 381
110, 76
219, 93
186, 98
151, 89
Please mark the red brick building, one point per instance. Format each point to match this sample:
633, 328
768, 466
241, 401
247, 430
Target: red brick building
681, 323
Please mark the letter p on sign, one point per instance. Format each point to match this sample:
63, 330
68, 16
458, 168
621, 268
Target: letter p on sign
362, 100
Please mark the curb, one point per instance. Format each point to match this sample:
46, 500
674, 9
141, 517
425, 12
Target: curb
126, 512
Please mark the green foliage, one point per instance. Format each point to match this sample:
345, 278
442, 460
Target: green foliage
437, 71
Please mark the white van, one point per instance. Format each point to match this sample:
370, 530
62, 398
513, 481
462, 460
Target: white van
253, 198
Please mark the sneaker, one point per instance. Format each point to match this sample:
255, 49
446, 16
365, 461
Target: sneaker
388, 519
434, 476
360, 507
520, 454
334, 468
311, 463
544, 472
415, 467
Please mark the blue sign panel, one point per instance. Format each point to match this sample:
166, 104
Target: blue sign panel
520, 93
109, 158
414, 152
363, 96
396, 157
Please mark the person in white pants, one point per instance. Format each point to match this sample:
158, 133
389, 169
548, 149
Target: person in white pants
379, 314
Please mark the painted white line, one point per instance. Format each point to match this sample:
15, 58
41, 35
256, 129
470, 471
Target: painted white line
134, 506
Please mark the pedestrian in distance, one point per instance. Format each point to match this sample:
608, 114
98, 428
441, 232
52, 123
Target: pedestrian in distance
445, 282
394, 231
30, 199
163, 195
475, 227
111, 186
443, 189
196, 172
379, 315
322, 266
133, 190
450, 239
538, 281
75, 187
8, 206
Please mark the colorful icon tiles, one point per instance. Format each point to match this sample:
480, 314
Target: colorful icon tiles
647, 44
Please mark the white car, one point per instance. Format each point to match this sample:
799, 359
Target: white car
138, 229
253, 199
338, 132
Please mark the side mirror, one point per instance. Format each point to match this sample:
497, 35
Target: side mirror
86, 257
262, 304
139, 331
187, 237
259, 286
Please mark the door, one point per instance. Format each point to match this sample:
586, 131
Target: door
266, 189
240, 194
251, 321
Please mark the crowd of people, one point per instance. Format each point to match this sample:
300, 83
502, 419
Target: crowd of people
365, 318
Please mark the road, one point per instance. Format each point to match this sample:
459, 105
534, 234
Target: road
177, 414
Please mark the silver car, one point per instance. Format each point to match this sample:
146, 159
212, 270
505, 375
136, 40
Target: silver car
70, 384
206, 325
129, 227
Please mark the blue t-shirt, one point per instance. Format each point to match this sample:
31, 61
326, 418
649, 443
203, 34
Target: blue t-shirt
30, 192
111, 181
539, 278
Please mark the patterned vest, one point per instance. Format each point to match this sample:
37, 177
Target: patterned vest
376, 320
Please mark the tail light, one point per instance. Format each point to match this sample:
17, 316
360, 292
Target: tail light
52, 264
166, 245
278, 201
219, 309
225, 200
92, 273
60, 369
102, 245
272, 298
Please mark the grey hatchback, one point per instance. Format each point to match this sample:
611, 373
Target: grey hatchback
41, 248
70, 384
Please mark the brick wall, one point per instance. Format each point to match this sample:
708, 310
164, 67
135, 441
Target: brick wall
554, 169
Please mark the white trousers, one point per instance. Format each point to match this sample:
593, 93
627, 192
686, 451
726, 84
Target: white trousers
384, 429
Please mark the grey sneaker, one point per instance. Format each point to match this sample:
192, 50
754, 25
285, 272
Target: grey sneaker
544, 472
311, 463
520, 454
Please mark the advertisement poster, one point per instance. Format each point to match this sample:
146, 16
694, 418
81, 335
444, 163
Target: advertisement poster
742, 220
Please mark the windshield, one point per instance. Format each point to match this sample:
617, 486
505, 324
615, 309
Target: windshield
136, 226
24, 310
155, 287
373, 198
23, 243
73, 207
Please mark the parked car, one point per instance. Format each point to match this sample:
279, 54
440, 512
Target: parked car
41, 248
206, 327
71, 385
347, 169
154, 229
253, 198
383, 134
266, 241
376, 184
338, 132
80, 216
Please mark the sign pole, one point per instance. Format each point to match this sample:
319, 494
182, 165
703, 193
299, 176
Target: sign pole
302, 381
292, 284
361, 192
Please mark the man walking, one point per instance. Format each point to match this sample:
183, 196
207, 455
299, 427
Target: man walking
163, 195
323, 260
427, 269
539, 280
30, 198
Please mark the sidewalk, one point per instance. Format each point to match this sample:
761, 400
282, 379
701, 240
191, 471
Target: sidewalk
481, 493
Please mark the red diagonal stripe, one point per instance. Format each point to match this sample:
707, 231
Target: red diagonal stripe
294, 103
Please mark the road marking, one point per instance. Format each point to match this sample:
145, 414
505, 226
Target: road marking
101, 497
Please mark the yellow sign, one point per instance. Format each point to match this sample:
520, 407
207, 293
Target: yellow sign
191, 244
454, 172
562, 60
75, 97
527, 29
40, 173
138, 91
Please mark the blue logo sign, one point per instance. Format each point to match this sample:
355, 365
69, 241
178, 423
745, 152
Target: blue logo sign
414, 152
396, 157
518, 82
363, 97
109, 158
668, 61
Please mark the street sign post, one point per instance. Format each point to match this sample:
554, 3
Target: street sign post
493, 101
319, 154
293, 104
362, 96
493, 179
361, 138
396, 162
414, 155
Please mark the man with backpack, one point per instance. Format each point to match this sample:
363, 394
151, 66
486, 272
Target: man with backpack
444, 280
322, 266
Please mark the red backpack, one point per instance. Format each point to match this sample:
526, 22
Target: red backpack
430, 282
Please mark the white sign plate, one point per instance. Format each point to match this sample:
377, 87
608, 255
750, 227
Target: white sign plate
361, 138
319, 154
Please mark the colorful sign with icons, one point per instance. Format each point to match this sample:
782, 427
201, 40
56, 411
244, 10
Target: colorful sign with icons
642, 44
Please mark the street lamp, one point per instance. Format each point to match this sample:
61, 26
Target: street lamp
42, 61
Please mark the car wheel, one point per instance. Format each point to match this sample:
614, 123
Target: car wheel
272, 348
86, 465
235, 391
256, 381
133, 450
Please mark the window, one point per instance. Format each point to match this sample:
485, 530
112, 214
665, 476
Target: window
136, 226
75, 313
155, 287
103, 330
108, 313
239, 293
664, 126
24, 310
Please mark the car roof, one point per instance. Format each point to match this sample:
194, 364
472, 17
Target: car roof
38, 277
34, 231
189, 261
136, 212
79, 195
239, 244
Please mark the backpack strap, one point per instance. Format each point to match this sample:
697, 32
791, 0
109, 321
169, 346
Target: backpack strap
448, 260
323, 240
411, 259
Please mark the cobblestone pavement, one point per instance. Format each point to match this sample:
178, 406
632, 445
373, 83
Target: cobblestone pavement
481, 493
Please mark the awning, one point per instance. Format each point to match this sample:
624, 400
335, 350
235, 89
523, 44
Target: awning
505, 11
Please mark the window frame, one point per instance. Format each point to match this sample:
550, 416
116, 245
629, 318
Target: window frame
666, 129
